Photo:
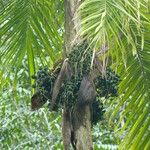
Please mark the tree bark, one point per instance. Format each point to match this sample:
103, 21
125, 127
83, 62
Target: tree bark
71, 25
76, 126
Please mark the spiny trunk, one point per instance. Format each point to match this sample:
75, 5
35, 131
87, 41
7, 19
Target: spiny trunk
76, 128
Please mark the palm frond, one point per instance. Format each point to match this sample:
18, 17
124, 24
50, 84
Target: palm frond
135, 95
106, 21
33, 29
102, 23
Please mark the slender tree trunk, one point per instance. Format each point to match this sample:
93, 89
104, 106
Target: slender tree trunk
75, 127
82, 128
71, 25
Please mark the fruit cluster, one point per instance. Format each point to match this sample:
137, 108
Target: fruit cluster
80, 59
97, 111
80, 62
107, 86
44, 83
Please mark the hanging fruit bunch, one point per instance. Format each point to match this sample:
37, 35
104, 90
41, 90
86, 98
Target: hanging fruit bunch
80, 63
44, 82
107, 87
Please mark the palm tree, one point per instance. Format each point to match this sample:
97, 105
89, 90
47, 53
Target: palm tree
119, 29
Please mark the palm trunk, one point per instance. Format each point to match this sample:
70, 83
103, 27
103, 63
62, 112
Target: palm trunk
71, 24
76, 128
